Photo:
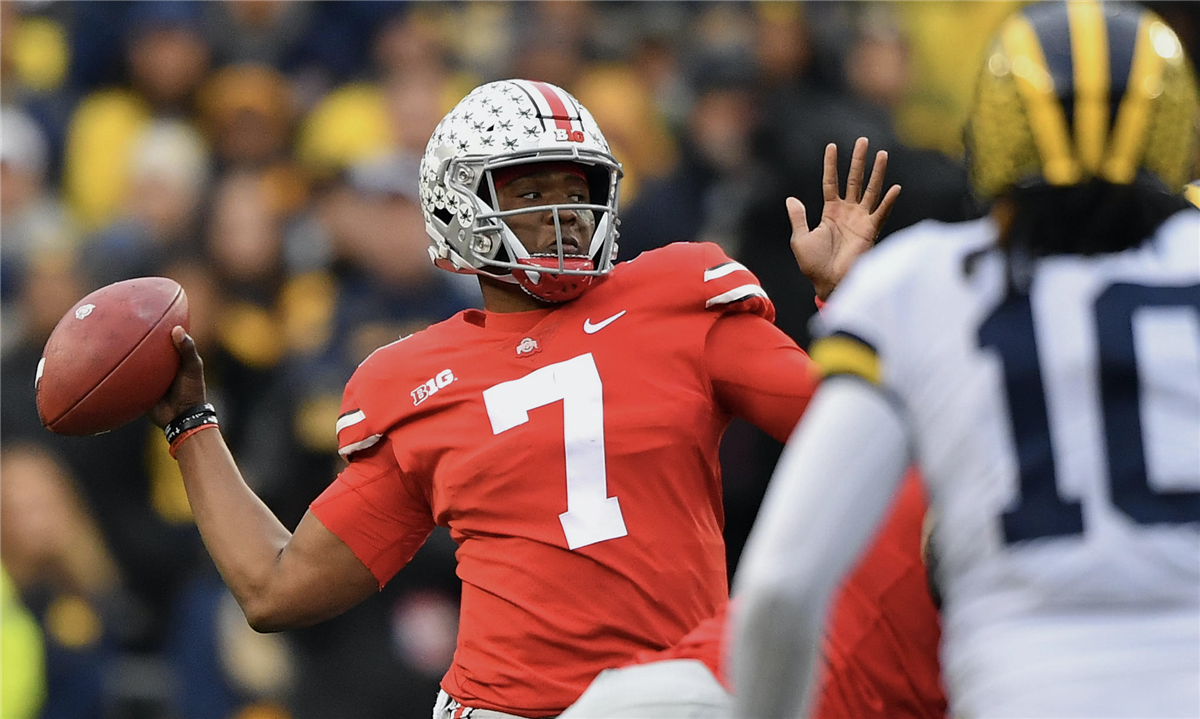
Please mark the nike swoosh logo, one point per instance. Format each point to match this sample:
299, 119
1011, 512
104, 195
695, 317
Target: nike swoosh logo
594, 328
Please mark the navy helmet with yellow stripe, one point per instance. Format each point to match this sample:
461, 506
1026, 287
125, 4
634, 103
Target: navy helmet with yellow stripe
1079, 90
1192, 193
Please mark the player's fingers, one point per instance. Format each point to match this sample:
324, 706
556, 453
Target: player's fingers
186, 346
878, 171
798, 216
858, 162
829, 180
880, 215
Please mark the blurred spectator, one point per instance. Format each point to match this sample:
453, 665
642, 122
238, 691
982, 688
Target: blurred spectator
32, 221
349, 125
480, 37
262, 32
705, 196
414, 42
783, 47
22, 654
35, 56
247, 112
799, 119
554, 41
23, 681
168, 169
167, 52
154, 547
945, 41
656, 59
416, 99
878, 72
637, 134
167, 57
244, 245
55, 554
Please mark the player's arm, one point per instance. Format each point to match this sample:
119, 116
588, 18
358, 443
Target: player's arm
758, 373
279, 578
830, 490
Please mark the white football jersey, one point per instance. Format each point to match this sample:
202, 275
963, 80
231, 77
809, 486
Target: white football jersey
1059, 434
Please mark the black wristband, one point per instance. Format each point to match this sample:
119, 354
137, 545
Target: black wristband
199, 415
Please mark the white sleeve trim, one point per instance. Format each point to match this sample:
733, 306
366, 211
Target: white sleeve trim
721, 270
350, 419
354, 447
737, 293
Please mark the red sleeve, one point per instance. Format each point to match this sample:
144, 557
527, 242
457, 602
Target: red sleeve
759, 374
374, 508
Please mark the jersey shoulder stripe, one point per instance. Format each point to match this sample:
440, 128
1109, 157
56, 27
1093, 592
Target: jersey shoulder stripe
350, 418
360, 445
728, 286
737, 294
725, 268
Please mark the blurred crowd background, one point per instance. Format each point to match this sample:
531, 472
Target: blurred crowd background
263, 154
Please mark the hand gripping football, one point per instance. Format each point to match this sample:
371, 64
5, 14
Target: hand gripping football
110, 358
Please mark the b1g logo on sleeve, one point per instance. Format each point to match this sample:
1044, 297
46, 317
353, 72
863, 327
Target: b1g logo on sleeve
425, 391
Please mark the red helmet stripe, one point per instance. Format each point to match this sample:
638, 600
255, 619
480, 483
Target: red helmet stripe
558, 109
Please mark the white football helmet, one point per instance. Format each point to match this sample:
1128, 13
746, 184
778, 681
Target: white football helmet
499, 125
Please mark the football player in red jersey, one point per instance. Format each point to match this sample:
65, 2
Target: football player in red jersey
567, 435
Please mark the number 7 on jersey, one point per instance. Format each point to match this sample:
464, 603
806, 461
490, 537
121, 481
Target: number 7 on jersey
592, 516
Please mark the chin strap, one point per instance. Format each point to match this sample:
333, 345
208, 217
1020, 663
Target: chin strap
554, 287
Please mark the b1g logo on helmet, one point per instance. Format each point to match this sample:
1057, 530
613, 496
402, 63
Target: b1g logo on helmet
564, 135
425, 391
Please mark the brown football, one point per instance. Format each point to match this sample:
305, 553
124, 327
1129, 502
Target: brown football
110, 358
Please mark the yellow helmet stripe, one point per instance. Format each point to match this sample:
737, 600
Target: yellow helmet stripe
1089, 58
1192, 193
1133, 117
1036, 87
843, 354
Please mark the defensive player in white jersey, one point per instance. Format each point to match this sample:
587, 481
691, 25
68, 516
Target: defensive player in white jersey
1042, 366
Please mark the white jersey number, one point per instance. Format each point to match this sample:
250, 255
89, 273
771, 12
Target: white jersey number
592, 516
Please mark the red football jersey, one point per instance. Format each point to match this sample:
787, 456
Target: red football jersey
572, 452
881, 643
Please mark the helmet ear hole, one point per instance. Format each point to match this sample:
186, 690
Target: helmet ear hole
598, 183
502, 254
485, 193
443, 215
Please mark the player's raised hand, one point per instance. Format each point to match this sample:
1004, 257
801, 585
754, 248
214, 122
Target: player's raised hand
849, 225
188, 389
